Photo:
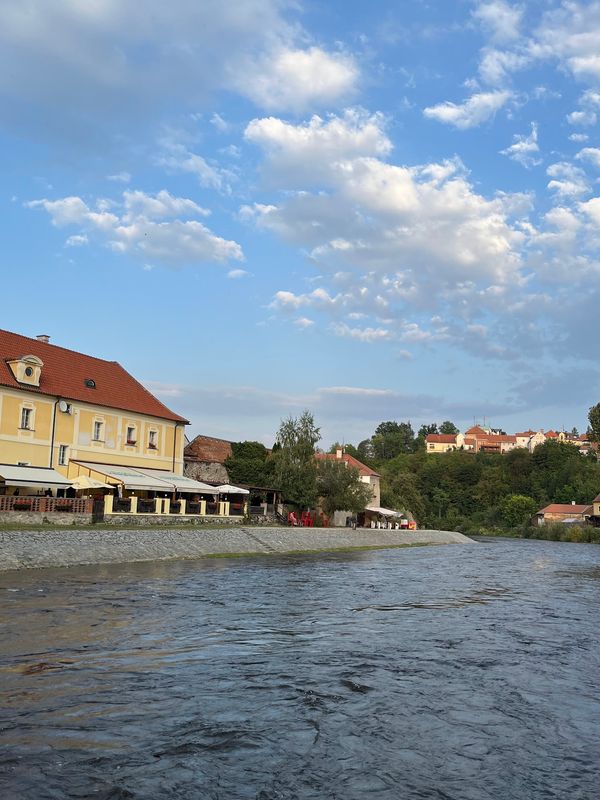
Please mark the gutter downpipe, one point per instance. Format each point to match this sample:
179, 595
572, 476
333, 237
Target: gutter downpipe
56, 402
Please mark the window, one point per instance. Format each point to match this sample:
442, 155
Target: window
98, 430
152, 439
90, 383
131, 434
62, 454
26, 419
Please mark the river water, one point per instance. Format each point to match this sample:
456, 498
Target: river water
451, 672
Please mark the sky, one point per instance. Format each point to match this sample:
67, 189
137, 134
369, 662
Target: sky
376, 211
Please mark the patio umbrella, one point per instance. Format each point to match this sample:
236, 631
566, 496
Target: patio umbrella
227, 488
85, 482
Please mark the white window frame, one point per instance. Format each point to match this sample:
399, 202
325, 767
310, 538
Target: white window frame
153, 440
131, 440
63, 451
98, 432
26, 422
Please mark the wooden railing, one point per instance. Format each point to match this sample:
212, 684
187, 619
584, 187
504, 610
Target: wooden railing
46, 505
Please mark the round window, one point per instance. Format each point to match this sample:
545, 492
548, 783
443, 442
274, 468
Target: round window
29, 371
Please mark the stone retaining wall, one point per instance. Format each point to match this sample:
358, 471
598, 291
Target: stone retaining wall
69, 547
39, 518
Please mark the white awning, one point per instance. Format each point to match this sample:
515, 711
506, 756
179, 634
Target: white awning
150, 480
227, 488
38, 477
83, 482
130, 478
181, 482
385, 512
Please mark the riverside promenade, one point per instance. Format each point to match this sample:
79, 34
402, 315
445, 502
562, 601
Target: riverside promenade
62, 547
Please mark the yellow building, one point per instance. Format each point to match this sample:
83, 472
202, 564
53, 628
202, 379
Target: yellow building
74, 414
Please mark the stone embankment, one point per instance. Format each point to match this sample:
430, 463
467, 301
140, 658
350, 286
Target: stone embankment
70, 547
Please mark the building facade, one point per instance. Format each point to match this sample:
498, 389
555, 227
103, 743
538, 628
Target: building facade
59, 407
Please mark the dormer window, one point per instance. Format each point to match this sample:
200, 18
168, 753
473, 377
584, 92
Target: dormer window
27, 369
90, 383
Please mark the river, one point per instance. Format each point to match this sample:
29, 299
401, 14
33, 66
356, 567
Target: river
452, 672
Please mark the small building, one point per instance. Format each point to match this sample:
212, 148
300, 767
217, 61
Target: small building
205, 458
366, 474
564, 512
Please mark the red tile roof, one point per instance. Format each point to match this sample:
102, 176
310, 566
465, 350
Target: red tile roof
351, 461
565, 508
526, 433
209, 449
492, 438
65, 371
551, 435
475, 430
441, 438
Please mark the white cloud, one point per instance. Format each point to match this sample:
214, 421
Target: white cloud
139, 228
176, 157
304, 322
236, 274
77, 240
120, 177
583, 118
591, 154
524, 147
499, 19
368, 335
496, 65
567, 179
579, 137
477, 109
592, 210
296, 151
159, 206
297, 80
219, 123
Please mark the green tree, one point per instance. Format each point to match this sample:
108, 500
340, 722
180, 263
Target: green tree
449, 428
425, 430
517, 509
392, 438
594, 418
340, 487
295, 463
250, 463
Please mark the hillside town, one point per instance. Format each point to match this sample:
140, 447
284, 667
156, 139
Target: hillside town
82, 440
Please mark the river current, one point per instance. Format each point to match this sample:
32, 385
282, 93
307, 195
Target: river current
452, 672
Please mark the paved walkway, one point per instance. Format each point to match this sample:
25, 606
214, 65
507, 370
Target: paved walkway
68, 547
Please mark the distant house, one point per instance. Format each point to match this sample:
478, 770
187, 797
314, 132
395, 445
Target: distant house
595, 516
366, 474
562, 512
205, 458
444, 442
487, 440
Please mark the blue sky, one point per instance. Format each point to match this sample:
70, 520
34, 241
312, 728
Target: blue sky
372, 210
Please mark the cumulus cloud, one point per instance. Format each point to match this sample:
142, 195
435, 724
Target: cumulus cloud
295, 151
143, 226
590, 154
500, 20
477, 109
567, 180
583, 118
296, 80
524, 148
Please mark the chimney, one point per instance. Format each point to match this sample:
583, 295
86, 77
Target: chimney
43, 337
339, 452
572, 502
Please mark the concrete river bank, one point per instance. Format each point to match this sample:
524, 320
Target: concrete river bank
70, 546
448, 673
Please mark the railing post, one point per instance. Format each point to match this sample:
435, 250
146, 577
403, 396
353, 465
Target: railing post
133, 504
182, 506
203, 508
108, 503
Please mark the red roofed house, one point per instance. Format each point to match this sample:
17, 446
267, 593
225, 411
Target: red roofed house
64, 414
366, 474
443, 442
560, 512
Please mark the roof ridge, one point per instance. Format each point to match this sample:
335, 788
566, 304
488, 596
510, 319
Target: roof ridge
60, 347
